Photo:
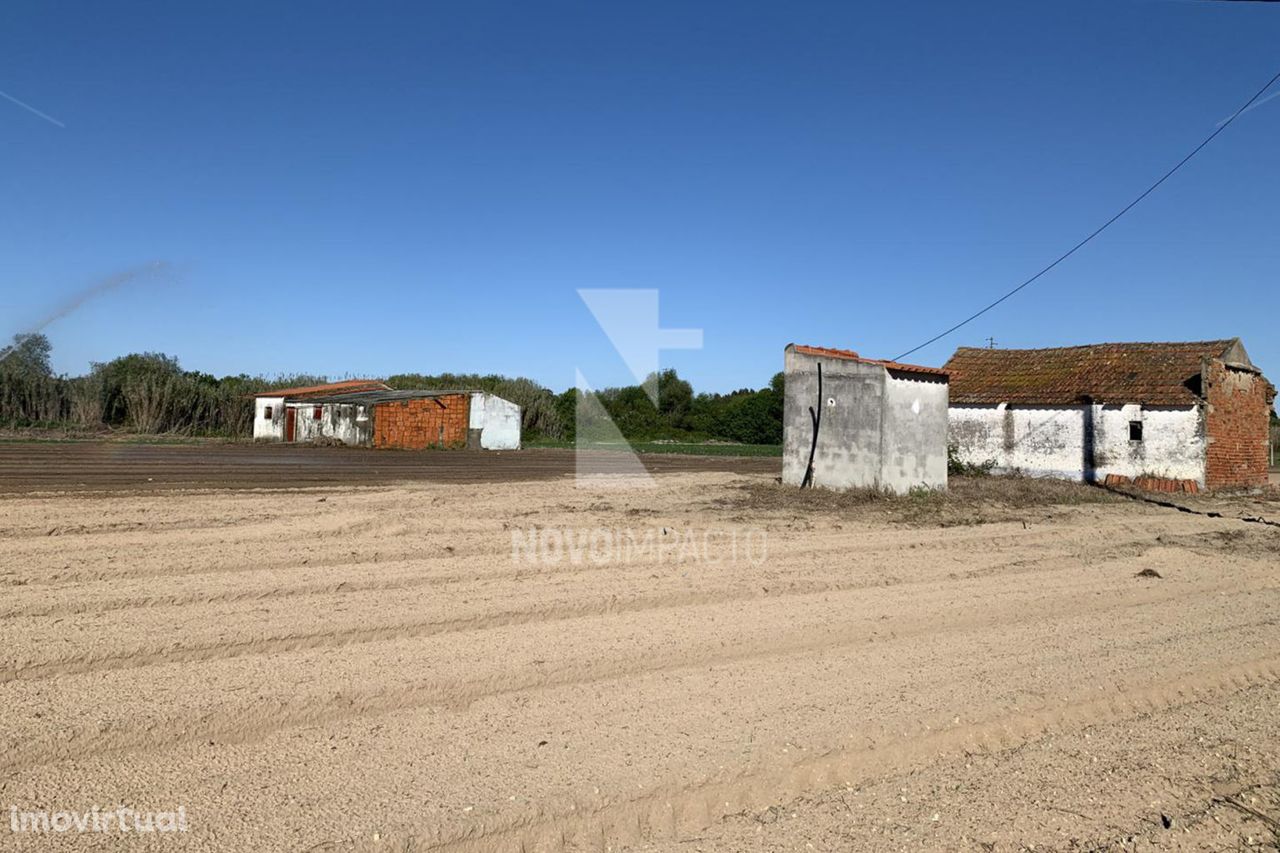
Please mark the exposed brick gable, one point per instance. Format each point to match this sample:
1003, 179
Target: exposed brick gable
1237, 420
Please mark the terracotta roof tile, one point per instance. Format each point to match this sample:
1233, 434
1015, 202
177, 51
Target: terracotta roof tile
345, 386
1146, 373
850, 355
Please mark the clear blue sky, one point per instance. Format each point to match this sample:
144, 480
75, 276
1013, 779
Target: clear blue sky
423, 187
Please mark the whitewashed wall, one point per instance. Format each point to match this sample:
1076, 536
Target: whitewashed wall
1042, 441
1049, 441
1172, 445
264, 428
349, 423
498, 421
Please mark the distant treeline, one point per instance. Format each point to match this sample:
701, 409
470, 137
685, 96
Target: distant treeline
150, 393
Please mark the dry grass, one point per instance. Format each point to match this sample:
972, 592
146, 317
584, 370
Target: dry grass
968, 500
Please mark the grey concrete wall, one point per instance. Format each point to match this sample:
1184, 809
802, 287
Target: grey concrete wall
878, 430
848, 451
914, 433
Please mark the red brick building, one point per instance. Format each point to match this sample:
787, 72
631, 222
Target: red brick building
1173, 416
418, 423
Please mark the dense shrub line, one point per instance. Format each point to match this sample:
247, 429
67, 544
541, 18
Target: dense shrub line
151, 393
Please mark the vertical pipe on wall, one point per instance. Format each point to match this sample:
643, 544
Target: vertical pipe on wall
816, 418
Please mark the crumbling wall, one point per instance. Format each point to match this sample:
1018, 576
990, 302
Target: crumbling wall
1040, 441
1076, 442
349, 423
1236, 423
1172, 445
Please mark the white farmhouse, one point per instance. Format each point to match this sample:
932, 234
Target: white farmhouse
368, 413
1179, 416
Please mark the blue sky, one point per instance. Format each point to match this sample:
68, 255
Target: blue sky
363, 189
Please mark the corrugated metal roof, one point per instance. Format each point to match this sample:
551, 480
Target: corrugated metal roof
850, 355
345, 385
1145, 373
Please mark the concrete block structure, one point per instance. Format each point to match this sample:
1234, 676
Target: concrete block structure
1180, 416
853, 422
369, 413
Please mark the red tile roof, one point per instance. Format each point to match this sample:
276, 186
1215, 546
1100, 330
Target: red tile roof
1156, 374
850, 355
345, 386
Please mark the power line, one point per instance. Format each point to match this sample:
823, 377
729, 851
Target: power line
1167, 175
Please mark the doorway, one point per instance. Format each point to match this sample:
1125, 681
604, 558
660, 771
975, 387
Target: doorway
290, 422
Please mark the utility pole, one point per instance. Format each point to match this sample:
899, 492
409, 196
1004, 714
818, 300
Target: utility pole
991, 343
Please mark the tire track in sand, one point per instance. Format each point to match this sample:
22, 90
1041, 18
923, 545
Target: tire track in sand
669, 812
97, 604
912, 543
139, 657
259, 720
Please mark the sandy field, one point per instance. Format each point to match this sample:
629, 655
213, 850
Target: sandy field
707, 664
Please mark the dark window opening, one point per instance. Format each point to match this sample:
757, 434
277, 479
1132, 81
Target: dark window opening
316, 414
266, 412
1135, 430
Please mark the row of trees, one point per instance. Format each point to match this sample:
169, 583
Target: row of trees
142, 392
151, 393
749, 416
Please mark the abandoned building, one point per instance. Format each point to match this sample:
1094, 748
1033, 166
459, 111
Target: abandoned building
1180, 416
853, 422
369, 413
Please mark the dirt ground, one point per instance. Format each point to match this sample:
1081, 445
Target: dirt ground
706, 664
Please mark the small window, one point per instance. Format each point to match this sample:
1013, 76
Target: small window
266, 413
1135, 430
315, 415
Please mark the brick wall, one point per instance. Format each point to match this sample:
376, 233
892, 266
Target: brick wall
418, 424
1236, 425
